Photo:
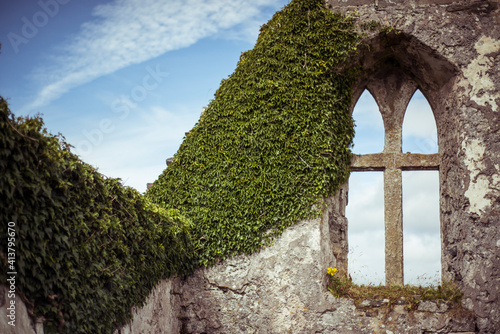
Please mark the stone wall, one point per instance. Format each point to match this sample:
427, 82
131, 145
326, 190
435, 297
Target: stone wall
22, 321
283, 289
160, 313
451, 49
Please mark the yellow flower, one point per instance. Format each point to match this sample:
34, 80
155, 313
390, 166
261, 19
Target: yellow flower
331, 271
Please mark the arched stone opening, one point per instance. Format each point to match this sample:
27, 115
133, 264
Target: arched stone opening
394, 66
385, 53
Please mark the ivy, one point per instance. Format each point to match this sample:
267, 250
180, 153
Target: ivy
87, 248
274, 141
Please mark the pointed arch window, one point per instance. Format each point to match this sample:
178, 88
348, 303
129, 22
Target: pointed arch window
369, 126
364, 210
421, 225
392, 94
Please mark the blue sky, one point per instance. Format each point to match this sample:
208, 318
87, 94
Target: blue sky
123, 81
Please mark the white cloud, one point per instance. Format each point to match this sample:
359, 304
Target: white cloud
137, 177
136, 148
421, 201
127, 32
422, 259
366, 257
421, 227
365, 212
365, 209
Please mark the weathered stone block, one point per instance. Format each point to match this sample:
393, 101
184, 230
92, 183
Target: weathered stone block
23, 324
283, 287
432, 306
160, 314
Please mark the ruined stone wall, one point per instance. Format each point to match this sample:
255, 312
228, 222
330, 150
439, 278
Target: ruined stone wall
160, 313
282, 289
23, 322
452, 51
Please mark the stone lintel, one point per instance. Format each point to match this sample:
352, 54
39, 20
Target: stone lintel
403, 161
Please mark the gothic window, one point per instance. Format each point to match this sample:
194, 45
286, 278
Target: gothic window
369, 126
421, 226
365, 210
392, 92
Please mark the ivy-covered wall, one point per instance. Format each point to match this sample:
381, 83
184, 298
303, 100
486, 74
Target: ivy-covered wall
273, 143
275, 140
87, 249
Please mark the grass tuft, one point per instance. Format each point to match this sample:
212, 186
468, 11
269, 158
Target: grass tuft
342, 286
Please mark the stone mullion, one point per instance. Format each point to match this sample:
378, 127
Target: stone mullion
393, 193
393, 217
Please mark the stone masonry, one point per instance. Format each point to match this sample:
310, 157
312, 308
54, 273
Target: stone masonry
283, 289
450, 50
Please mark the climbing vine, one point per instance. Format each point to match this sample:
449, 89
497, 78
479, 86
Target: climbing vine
87, 248
274, 141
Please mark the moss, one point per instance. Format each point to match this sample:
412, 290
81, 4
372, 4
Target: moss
275, 140
342, 286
